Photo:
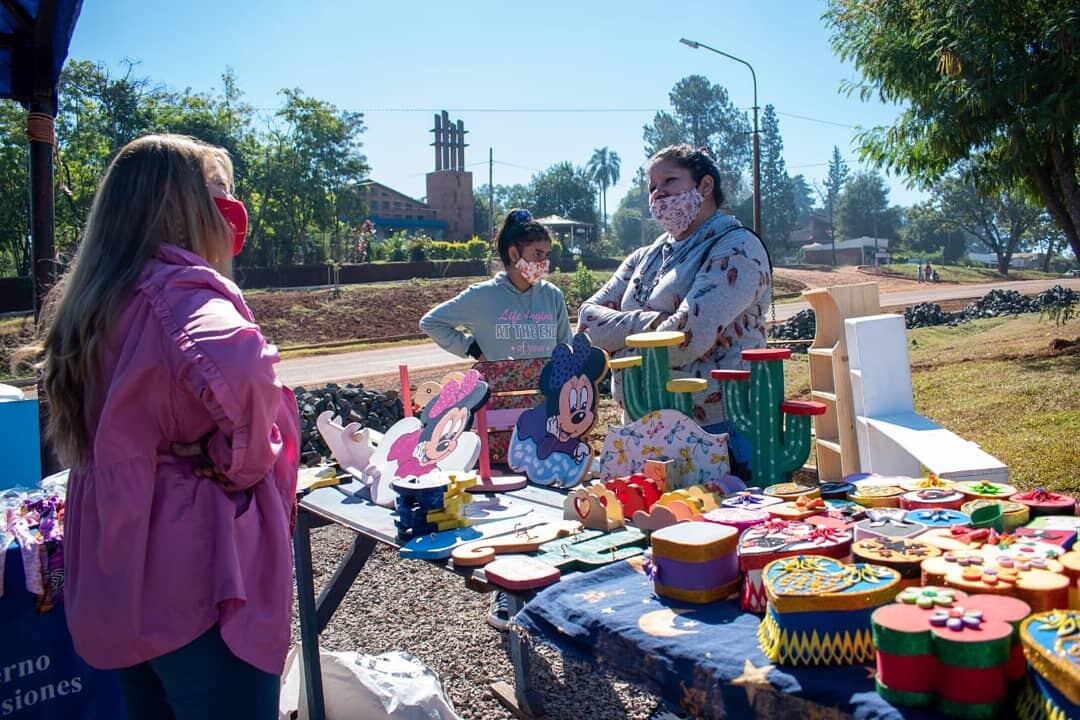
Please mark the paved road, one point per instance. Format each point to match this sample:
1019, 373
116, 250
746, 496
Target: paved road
318, 370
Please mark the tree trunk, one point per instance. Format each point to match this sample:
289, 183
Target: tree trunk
1003, 263
1049, 253
1056, 183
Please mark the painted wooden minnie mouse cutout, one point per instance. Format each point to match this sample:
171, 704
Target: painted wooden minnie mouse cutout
548, 443
438, 441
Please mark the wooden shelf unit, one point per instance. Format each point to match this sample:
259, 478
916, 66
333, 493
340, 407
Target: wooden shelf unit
835, 444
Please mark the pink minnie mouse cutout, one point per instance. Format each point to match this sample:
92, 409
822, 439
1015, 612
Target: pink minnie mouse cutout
438, 441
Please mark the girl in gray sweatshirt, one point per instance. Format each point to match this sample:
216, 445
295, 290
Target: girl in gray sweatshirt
515, 315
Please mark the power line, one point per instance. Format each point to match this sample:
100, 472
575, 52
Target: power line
575, 110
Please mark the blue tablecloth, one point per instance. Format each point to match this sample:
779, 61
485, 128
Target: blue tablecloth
700, 658
41, 677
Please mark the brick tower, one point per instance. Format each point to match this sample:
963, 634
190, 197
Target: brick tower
449, 188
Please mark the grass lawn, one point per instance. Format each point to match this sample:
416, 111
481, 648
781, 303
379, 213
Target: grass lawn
961, 274
996, 382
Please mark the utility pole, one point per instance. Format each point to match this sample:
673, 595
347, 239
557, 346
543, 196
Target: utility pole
491, 194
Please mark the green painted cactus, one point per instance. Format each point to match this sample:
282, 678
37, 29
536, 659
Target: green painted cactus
646, 378
754, 403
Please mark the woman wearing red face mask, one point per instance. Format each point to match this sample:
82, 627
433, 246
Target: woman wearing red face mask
182, 443
707, 276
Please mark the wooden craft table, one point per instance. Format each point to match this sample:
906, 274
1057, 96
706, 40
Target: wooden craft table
373, 524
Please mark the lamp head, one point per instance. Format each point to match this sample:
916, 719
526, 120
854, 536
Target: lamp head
689, 43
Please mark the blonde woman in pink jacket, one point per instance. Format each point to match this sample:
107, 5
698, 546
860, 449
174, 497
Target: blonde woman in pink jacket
182, 444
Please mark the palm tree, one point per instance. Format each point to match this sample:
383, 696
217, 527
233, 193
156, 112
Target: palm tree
603, 169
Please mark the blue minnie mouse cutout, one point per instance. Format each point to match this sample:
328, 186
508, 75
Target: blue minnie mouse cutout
548, 444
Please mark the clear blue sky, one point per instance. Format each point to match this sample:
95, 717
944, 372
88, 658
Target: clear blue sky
475, 55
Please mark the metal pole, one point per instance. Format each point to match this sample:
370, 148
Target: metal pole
757, 156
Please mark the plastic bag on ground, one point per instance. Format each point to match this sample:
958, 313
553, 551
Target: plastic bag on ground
393, 685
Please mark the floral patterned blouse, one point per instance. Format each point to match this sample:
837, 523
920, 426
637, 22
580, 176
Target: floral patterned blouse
715, 286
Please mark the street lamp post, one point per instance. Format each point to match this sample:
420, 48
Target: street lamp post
757, 154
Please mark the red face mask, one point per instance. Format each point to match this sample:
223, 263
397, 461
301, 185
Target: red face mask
236, 214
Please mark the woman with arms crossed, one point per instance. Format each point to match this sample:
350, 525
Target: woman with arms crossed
707, 276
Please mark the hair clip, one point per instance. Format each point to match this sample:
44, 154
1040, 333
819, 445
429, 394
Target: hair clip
521, 216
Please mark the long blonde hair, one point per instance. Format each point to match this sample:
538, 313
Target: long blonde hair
153, 192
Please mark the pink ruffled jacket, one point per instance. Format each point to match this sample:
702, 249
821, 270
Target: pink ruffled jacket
155, 555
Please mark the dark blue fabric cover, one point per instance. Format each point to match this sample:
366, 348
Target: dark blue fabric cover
702, 658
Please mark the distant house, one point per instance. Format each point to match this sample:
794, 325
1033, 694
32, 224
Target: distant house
816, 231
393, 211
856, 251
1018, 260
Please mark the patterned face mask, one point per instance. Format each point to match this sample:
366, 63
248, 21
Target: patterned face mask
675, 213
531, 271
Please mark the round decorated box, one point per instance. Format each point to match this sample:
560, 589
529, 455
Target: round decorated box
986, 489
958, 655
805, 506
777, 539
737, 518
876, 496
1052, 643
792, 491
1045, 502
836, 490
1013, 514
887, 523
958, 537
901, 554
933, 498
1040, 588
927, 483
938, 517
749, 500
695, 562
819, 610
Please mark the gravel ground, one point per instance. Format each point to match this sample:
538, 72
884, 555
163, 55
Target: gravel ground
411, 605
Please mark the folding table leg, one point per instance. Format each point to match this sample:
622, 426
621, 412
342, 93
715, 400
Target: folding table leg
523, 699
309, 631
347, 570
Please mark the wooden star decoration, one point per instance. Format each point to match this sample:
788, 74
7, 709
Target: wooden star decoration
753, 679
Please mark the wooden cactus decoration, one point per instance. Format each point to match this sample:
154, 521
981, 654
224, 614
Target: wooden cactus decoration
754, 403
646, 378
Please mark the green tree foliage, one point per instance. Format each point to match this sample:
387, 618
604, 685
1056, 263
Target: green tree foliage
834, 184
297, 177
778, 210
803, 197
565, 190
603, 169
632, 223
927, 230
703, 115
15, 251
863, 208
1001, 220
995, 79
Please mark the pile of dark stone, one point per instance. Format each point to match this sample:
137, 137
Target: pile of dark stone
800, 326
996, 303
352, 403
929, 314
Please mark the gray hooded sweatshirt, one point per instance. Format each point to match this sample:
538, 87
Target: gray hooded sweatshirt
504, 321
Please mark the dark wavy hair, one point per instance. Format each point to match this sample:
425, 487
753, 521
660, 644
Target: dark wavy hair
697, 161
518, 229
